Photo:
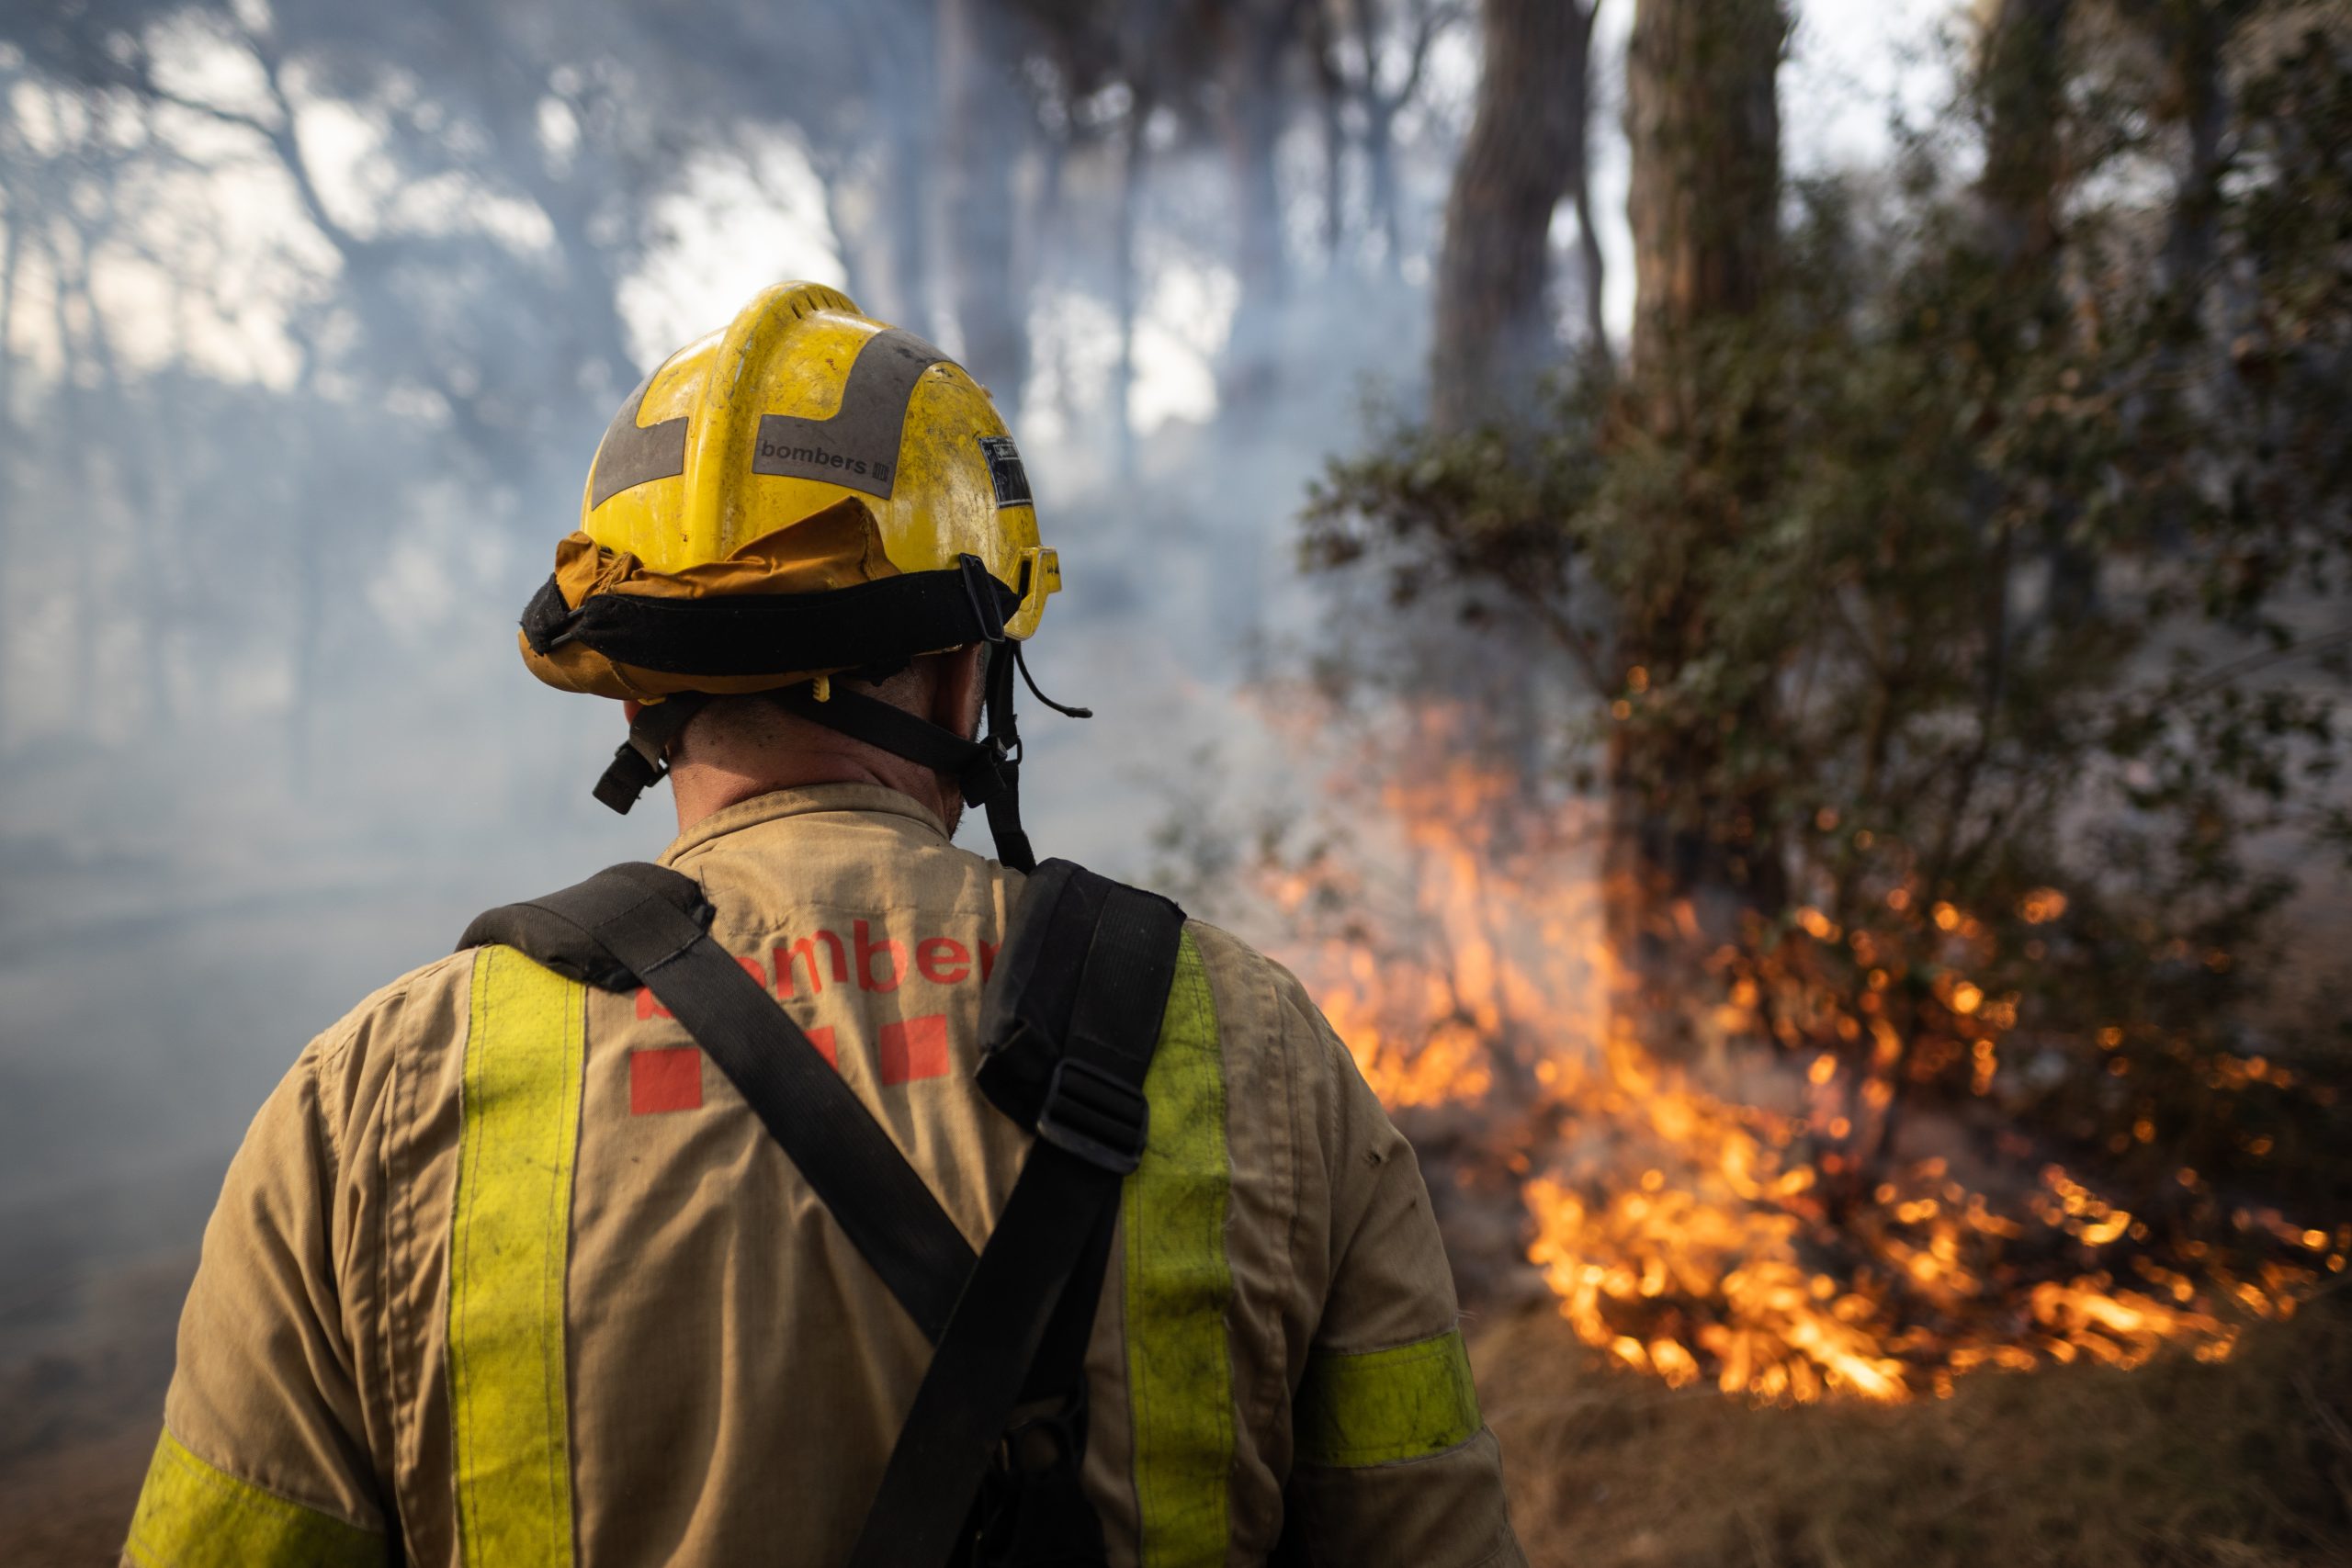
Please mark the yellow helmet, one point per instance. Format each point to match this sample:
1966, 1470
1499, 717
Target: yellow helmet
806, 492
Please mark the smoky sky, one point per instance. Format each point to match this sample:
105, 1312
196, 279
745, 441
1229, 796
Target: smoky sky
264, 740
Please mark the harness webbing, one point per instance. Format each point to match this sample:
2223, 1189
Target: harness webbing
650, 923
1091, 1131
1068, 1060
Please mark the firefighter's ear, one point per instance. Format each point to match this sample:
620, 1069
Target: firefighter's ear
631, 708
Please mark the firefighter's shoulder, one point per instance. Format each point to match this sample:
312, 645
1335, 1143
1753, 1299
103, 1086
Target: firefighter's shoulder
1261, 1006
1281, 1056
417, 1017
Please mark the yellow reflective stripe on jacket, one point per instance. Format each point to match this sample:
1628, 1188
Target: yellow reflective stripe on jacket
194, 1516
1180, 1377
1375, 1406
507, 1248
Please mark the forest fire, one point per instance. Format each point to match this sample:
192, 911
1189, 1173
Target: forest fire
1711, 1222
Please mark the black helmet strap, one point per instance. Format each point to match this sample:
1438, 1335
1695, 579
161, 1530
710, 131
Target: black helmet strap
644, 758
988, 771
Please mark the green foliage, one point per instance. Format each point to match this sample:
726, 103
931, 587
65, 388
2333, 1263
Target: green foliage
1980, 573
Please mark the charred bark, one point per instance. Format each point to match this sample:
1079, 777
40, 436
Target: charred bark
1525, 152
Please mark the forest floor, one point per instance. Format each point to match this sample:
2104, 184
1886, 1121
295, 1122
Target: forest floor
2242, 1465
2245, 1464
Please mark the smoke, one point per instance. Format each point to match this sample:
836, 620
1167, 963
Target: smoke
310, 320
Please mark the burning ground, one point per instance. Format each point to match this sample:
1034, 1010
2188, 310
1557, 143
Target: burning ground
1752, 1215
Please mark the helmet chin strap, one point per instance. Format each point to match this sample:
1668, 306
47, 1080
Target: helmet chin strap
643, 758
988, 771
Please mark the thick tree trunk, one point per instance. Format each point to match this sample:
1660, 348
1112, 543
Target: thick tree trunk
2021, 87
1524, 152
2021, 91
983, 120
1702, 116
1691, 850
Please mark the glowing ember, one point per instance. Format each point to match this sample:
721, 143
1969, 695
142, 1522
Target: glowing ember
1722, 1234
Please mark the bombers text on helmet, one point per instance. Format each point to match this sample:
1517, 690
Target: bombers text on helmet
807, 492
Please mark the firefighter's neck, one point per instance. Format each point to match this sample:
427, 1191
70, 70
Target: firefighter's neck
735, 751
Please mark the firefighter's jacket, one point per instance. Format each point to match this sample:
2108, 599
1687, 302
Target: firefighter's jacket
506, 1273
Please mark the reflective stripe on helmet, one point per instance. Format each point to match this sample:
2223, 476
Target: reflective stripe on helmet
507, 1249
633, 454
194, 1515
1180, 1375
858, 446
1377, 1406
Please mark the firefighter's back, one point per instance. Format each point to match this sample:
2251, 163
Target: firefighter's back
508, 1274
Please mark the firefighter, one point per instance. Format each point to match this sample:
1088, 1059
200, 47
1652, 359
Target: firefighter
529, 1260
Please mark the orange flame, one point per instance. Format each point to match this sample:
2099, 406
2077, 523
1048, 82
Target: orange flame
1707, 1237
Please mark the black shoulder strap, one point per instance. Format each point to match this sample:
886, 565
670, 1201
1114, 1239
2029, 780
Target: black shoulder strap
637, 923
1099, 960
1070, 1024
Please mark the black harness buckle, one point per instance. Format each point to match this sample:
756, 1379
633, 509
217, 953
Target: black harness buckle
989, 770
1092, 1115
630, 773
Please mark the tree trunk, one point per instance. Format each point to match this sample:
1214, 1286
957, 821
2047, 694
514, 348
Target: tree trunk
1596, 330
1525, 150
2021, 87
1331, 94
1125, 283
1257, 39
907, 78
1692, 851
1703, 118
983, 120
1380, 186
907, 169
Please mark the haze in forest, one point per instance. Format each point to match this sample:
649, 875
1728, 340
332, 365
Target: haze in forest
285, 459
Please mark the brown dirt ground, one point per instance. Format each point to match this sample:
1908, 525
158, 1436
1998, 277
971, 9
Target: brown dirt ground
2242, 1465
85, 1354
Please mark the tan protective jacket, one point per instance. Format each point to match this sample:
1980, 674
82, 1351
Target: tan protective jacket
507, 1274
